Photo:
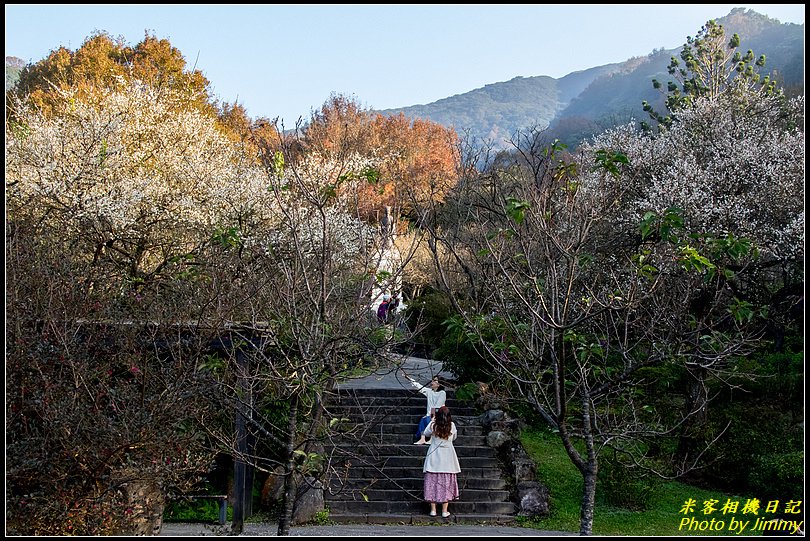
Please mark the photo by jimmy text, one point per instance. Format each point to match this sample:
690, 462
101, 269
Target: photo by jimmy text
754, 517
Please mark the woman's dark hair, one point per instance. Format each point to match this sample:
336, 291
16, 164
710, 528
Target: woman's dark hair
440, 387
442, 424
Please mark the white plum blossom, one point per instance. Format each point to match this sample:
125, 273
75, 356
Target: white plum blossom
346, 236
730, 170
127, 163
315, 198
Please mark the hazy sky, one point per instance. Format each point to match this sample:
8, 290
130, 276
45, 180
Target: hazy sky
284, 60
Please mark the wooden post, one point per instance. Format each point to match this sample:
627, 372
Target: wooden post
223, 510
242, 470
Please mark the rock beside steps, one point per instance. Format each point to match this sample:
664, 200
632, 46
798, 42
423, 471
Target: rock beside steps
375, 471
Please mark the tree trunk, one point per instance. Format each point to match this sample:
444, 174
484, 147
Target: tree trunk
146, 503
695, 416
589, 469
288, 499
588, 499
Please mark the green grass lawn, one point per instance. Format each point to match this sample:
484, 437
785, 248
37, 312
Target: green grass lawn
663, 516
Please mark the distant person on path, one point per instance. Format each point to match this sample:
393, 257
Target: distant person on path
382, 309
436, 397
441, 462
391, 311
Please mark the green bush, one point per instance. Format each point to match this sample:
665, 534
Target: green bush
778, 476
467, 392
321, 517
462, 360
623, 487
426, 314
203, 510
764, 442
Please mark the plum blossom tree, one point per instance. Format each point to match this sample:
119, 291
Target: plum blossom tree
571, 320
735, 175
112, 199
139, 235
135, 181
574, 278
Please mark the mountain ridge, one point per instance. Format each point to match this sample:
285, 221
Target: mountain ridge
585, 102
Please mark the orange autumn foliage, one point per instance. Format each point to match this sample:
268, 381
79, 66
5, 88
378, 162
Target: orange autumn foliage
102, 61
418, 157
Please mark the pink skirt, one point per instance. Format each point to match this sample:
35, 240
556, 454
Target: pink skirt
440, 487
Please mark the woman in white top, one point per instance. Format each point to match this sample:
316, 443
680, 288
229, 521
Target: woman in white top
441, 462
436, 398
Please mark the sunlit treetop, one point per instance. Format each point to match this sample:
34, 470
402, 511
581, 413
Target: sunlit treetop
417, 158
709, 65
102, 59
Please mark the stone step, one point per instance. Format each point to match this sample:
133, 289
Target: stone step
420, 518
459, 507
386, 428
374, 410
401, 461
342, 392
393, 495
415, 413
413, 399
387, 396
377, 471
393, 403
370, 418
349, 420
463, 449
357, 417
416, 483
360, 470
402, 444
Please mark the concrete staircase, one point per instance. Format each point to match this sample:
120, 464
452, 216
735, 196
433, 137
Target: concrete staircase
376, 471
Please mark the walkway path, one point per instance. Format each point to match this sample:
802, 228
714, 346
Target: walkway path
360, 530
421, 370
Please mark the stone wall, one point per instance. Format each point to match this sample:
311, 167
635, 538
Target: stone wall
503, 435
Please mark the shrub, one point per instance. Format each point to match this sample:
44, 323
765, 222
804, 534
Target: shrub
467, 392
425, 314
778, 476
202, 510
624, 487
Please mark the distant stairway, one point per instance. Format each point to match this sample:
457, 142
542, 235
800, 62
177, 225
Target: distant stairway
376, 470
